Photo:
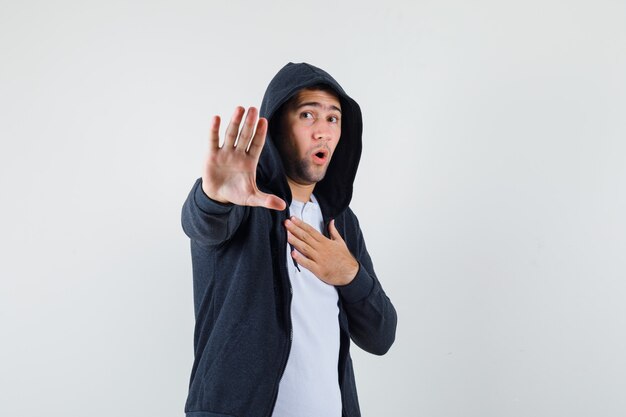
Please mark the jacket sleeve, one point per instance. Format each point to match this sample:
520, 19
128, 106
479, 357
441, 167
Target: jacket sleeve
207, 221
372, 319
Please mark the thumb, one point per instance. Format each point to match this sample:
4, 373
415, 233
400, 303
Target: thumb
334, 233
269, 201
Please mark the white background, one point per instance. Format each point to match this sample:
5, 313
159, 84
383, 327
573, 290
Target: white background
491, 194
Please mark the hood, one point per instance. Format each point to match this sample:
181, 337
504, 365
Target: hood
334, 192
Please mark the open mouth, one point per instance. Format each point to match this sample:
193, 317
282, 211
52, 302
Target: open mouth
320, 156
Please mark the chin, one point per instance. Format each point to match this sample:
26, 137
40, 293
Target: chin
308, 179
316, 176
307, 174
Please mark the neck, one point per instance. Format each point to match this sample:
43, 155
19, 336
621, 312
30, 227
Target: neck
300, 192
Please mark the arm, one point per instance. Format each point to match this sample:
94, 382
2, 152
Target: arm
217, 203
371, 315
207, 221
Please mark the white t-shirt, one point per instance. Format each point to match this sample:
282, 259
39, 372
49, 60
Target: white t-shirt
310, 385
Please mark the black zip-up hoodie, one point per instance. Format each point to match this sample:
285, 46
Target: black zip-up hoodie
241, 286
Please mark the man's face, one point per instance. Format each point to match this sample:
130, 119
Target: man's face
311, 128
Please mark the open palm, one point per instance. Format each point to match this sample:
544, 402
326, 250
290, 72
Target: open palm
229, 174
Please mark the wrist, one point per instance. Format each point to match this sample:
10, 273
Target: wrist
351, 274
213, 196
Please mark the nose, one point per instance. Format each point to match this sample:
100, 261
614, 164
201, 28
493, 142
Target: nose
321, 130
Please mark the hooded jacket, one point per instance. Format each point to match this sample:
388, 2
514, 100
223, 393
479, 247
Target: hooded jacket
242, 293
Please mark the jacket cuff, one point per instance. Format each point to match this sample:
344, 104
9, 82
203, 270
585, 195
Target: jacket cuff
207, 204
359, 288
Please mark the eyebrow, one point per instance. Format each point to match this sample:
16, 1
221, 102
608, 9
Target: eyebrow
316, 104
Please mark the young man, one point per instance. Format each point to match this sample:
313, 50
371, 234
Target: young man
282, 277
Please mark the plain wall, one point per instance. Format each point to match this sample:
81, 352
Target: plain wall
490, 191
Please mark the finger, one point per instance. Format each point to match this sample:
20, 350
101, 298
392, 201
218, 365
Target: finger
214, 133
270, 201
257, 142
304, 261
273, 202
233, 127
297, 231
300, 245
312, 233
303, 230
246, 132
333, 232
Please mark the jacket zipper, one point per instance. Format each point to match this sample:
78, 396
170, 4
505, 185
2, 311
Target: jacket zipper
285, 273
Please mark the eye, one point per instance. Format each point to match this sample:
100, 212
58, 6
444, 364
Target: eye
333, 119
306, 115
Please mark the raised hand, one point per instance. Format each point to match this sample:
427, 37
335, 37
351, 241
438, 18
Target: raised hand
229, 174
328, 259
